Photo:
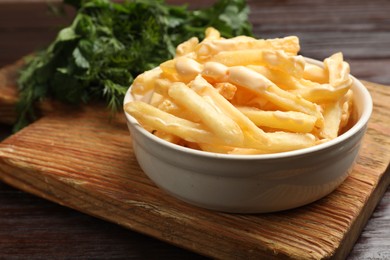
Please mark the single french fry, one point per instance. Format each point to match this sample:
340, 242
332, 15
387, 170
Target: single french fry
278, 60
347, 105
332, 119
281, 142
286, 141
322, 93
206, 49
144, 82
215, 72
214, 148
211, 34
284, 120
167, 136
187, 47
315, 73
219, 123
339, 71
187, 68
153, 118
181, 69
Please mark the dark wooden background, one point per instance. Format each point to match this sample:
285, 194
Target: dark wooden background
33, 228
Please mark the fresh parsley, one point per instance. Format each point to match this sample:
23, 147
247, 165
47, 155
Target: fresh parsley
110, 43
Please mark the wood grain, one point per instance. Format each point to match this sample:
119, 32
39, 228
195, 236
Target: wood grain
91, 167
9, 92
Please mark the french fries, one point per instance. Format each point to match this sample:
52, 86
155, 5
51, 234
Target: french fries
243, 96
223, 127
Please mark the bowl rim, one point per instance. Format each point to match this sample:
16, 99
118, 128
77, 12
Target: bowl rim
359, 125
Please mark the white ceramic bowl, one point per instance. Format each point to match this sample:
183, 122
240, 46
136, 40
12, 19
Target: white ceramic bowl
252, 183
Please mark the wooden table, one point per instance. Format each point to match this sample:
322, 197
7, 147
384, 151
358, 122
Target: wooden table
35, 228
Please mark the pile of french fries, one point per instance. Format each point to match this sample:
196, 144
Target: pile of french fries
243, 96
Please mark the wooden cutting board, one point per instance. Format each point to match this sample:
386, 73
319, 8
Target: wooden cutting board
81, 159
